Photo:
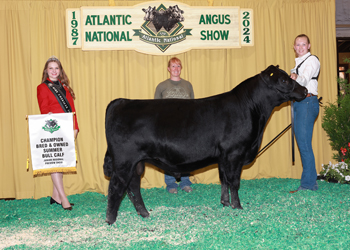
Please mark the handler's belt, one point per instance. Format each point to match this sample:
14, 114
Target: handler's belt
61, 98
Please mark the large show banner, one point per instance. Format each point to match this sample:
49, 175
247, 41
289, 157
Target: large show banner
159, 28
52, 143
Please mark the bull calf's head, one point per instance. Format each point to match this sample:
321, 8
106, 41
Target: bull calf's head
284, 85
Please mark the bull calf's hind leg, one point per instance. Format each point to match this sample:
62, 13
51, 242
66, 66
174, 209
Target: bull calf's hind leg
116, 191
134, 193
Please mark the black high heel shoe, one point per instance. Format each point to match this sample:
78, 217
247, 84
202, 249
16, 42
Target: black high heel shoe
67, 208
52, 201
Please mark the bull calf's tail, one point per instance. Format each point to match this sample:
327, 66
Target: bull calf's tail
107, 165
111, 108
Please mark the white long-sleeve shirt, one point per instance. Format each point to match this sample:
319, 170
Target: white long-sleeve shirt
310, 68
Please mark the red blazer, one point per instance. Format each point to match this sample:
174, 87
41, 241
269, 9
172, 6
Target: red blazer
48, 102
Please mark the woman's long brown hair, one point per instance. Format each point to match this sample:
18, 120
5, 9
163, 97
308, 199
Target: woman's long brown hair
62, 77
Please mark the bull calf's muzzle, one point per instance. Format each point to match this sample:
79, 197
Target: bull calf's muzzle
301, 93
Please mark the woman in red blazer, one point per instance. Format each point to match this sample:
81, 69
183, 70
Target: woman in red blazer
53, 73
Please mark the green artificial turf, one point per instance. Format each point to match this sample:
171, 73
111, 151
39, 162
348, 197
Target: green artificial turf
271, 218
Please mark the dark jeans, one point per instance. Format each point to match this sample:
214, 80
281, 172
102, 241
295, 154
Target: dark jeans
305, 114
170, 182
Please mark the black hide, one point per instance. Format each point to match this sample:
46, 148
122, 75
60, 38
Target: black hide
180, 136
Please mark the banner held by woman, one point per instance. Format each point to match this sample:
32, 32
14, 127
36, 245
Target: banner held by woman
52, 143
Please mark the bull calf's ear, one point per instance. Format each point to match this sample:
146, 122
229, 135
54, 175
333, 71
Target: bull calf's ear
271, 74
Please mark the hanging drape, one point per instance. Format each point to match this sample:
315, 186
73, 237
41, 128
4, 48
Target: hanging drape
33, 30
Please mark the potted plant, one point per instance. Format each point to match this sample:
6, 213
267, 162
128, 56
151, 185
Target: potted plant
336, 123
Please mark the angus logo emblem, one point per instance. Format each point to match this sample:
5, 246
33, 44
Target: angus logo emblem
162, 26
51, 126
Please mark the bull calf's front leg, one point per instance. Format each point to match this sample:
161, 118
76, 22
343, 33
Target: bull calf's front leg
225, 198
234, 187
230, 178
235, 202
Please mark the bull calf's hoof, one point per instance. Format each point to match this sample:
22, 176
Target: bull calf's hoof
144, 214
110, 220
109, 223
225, 203
237, 207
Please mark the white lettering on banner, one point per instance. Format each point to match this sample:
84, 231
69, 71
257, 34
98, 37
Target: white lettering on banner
159, 28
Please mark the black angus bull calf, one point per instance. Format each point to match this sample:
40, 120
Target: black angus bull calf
180, 136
